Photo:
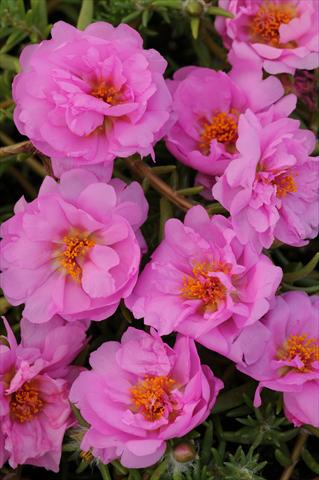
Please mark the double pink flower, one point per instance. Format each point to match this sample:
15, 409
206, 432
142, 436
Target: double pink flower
75, 250
35, 377
202, 282
282, 353
84, 98
141, 393
271, 187
208, 104
283, 33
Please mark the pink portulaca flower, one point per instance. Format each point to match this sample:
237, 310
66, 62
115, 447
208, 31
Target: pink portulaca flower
86, 97
283, 33
203, 283
35, 378
139, 394
282, 353
73, 251
207, 106
271, 188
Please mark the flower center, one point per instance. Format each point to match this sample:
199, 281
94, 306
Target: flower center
153, 397
285, 184
306, 349
25, 403
204, 286
267, 21
107, 93
223, 128
75, 249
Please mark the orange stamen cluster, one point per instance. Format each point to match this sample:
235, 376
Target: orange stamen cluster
285, 184
87, 456
75, 247
25, 403
204, 286
107, 93
307, 349
223, 128
267, 21
152, 395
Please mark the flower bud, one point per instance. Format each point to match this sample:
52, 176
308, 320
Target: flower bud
184, 452
194, 8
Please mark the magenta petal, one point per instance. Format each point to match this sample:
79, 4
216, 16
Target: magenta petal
106, 256
97, 199
75, 299
96, 281
131, 460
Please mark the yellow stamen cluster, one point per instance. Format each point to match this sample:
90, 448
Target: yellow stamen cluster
285, 184
202, 285
107, 93
76, 248
222, 127
25, 403
265, 24
151, 396
306, 349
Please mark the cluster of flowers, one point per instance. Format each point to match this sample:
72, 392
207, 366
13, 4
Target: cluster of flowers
72, 254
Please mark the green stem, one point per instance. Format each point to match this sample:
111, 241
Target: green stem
190, 191
313, 430
104, 471
167, 3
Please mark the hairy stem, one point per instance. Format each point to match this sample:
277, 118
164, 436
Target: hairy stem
136, 165
30, 161
22, 147
295, 456
6, 103
143, 171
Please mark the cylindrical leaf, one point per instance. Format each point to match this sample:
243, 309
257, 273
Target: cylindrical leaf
302, 272
219, 11
86, 14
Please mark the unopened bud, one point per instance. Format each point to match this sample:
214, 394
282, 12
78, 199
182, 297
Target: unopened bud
194, 8
184, 452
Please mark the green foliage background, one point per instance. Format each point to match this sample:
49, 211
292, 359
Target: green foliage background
238, 442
